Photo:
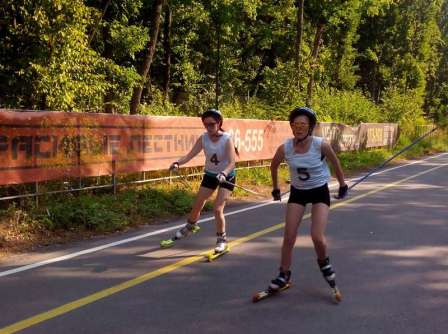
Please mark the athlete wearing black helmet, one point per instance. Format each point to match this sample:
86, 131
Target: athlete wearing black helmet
214, 113
310, 114
219, 174
306, 157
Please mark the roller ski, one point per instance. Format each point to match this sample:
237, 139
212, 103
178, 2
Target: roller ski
189, 228
329, 275
221, 248
280, 283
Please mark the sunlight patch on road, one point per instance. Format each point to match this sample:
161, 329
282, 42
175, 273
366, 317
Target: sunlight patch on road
417, 252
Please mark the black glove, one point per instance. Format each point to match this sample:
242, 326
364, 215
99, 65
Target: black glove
276, 195
342, 192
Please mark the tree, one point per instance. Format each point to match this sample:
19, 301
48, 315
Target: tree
167, 49
397, 48
299, 37
147, 61
316, 46
436, 100
320, 14
117, 34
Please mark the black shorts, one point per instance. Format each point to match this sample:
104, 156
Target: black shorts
212, 182
304, 196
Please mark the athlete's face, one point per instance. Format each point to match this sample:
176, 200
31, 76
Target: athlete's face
300, 127
211, 125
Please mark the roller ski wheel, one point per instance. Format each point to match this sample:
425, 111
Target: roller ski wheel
213, 255
337, 296
268, 293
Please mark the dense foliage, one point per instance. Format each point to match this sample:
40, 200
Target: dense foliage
351, 60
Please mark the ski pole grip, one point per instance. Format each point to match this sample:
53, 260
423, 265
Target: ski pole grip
174, 166
342, 192
276, 195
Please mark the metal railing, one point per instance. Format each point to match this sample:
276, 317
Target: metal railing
114, 185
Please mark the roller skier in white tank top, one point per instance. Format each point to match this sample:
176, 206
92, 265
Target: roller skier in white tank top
219, 170
306, 157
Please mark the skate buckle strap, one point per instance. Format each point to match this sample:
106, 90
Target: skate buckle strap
221, 240
191, 226
328, 273
328, 270
330, 277
281, 280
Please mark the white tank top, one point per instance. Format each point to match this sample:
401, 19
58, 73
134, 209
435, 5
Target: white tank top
308, 170
216, 157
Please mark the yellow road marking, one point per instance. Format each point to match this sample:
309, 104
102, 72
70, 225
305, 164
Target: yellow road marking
34, 320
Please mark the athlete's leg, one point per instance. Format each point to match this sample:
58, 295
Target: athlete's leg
218, 209
202, 196
191, 226
294, 214
319, 219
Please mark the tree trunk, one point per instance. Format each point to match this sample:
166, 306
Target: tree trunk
316, 46
218, 60
106, 5
267, 60
144, 70
108, 105
107, 53
167, 48
298, 46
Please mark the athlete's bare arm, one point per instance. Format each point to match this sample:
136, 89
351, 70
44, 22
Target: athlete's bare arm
276, 161
329, 153
230, 151
197, 147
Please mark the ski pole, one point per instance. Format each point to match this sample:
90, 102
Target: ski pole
391, 158
245, 189
182, 179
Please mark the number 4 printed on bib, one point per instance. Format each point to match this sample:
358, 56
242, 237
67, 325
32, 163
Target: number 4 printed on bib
214, 159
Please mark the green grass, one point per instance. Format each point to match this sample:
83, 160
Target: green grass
358, 161
432, 144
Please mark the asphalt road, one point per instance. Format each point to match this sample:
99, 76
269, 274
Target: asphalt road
388, 242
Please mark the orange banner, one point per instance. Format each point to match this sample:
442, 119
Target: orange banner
38, 146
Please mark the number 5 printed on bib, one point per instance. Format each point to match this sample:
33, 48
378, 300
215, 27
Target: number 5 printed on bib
303, 174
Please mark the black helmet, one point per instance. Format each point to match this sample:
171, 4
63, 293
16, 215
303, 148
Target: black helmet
211, 112
304, 111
